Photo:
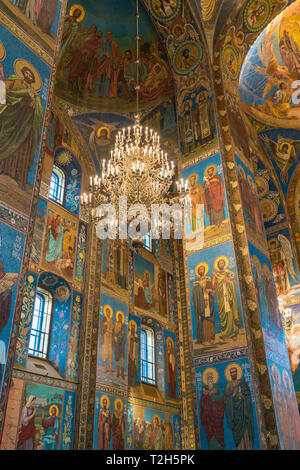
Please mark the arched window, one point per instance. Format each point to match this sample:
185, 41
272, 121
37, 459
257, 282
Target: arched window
41, 324
148, 374
148, 241
57, 185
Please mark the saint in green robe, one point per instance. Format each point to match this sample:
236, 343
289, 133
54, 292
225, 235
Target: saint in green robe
20, 128
239, 413
228, 307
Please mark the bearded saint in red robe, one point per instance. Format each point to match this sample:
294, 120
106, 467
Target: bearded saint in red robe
214, 197
212, 415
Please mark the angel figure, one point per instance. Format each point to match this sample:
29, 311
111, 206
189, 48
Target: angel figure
282, 263
100, 135
285, 153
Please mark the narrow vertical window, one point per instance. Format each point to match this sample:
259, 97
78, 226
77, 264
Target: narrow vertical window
41, 324
148, 356
148, 241
57, 185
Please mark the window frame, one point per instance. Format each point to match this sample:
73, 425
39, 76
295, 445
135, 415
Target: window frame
148, 381
57, 170
146, 238
48, 293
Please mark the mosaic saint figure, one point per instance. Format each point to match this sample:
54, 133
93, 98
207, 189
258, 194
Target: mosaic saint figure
155, 437
214, 196
281, 407
54, 239
51, 429
212, 410
224, 284
204, 305
20, 122
168, 435
293, 415
104, 424
290, 54
109, 261
119, 344
107, 335
279, 267
27, 433
238, 408
118, 426
7, 281
196, 194
106, 81
171, 368
133, 354
71, 28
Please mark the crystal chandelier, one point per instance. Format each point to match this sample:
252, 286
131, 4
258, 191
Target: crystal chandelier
137, 169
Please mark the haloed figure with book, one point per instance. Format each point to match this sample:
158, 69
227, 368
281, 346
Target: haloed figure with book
7, 281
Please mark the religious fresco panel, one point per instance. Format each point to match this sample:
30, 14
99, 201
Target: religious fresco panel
97, 67
206, 189
155, 429
226, 406
146, 273
115, 266
112, 368
284, 265
269, 70
286, 407
39, 19
24, 85
250, 201
12, 243
171, 369
46, 418
110, 425
270, 316
217, 318
134, 340
60, 242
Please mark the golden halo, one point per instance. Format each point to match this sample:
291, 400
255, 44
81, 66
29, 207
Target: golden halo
233, 366
213, 372
177, 25
256, 262
104, 397
202, 93
132, 322
51, 408
2, 51
206, 267
276, 374
273, 240
215, 168
186, 102
107, 307
156, 416
18, 66
193, 175
104, 129
118, 400
224, 258
170, 340
285, 376
285, 143
78, 7
267, 271
122, 315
